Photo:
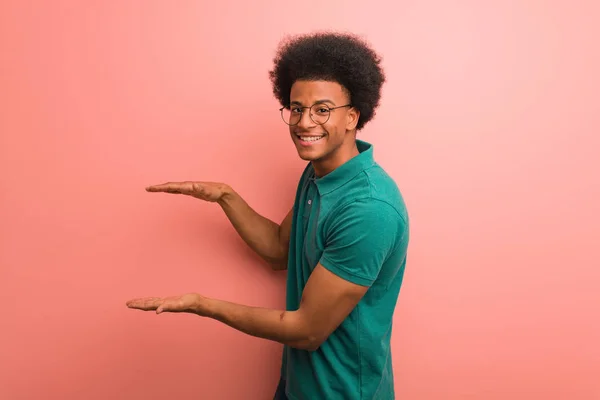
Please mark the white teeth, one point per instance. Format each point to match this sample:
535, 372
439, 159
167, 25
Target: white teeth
310, 138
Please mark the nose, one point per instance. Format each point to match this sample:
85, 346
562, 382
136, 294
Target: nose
306, 121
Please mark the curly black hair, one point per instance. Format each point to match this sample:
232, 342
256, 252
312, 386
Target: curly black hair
338, 57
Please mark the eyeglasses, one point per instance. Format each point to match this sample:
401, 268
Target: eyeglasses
319, 113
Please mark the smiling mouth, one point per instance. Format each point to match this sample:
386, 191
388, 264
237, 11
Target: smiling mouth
310, 139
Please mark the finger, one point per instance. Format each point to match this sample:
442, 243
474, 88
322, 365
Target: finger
170, 187
145, 303
164, 187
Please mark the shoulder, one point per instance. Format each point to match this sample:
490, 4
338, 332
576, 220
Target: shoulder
370, 218
373, 191
383, 188
369, 210
371, 201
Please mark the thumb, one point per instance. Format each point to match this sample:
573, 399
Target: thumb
167, 306
197, 188
164, 306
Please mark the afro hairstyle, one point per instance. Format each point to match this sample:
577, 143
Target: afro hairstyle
336, 57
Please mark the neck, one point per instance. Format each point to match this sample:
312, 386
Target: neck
341, 155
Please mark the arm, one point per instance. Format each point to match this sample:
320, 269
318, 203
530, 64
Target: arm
267, 238
326, 302
358, 243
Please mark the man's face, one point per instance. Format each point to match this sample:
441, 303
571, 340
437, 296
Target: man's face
315, 141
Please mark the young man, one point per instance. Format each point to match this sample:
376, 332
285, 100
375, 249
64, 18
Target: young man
344, 242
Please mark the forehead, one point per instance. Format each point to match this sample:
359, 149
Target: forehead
309, 92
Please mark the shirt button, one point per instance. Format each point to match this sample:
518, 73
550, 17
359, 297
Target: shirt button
310, 201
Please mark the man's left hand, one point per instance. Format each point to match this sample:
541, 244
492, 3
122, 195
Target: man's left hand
187, 303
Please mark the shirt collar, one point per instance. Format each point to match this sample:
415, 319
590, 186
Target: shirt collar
345, 172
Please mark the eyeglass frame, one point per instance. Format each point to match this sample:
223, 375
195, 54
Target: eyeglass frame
310, 114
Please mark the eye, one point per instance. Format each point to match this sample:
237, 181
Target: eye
296, 110
322, 110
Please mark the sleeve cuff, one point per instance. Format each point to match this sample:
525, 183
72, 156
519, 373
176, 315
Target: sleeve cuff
358, 280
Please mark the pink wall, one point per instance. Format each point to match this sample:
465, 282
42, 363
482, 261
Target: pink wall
489, 122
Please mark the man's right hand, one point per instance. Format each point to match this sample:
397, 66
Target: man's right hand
208, 191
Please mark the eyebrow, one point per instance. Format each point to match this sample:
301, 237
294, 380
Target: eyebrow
316, 102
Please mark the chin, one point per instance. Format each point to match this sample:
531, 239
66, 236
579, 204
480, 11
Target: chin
308, 155
314, 156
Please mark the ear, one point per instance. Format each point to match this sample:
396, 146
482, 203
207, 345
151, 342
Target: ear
352, 119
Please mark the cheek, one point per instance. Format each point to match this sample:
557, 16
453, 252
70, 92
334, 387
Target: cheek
335, 128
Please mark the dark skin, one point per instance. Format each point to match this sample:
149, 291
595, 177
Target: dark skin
339, 143
327, 299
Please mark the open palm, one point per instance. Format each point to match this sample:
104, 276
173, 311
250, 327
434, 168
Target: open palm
186, 303
208, 191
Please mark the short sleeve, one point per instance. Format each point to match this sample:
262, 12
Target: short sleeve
359, 238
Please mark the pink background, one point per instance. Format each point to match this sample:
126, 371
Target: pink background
490, 123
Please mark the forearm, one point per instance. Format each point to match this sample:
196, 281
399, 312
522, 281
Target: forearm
285, 327
260, 233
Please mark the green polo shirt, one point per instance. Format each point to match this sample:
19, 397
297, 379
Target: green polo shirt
354, 222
